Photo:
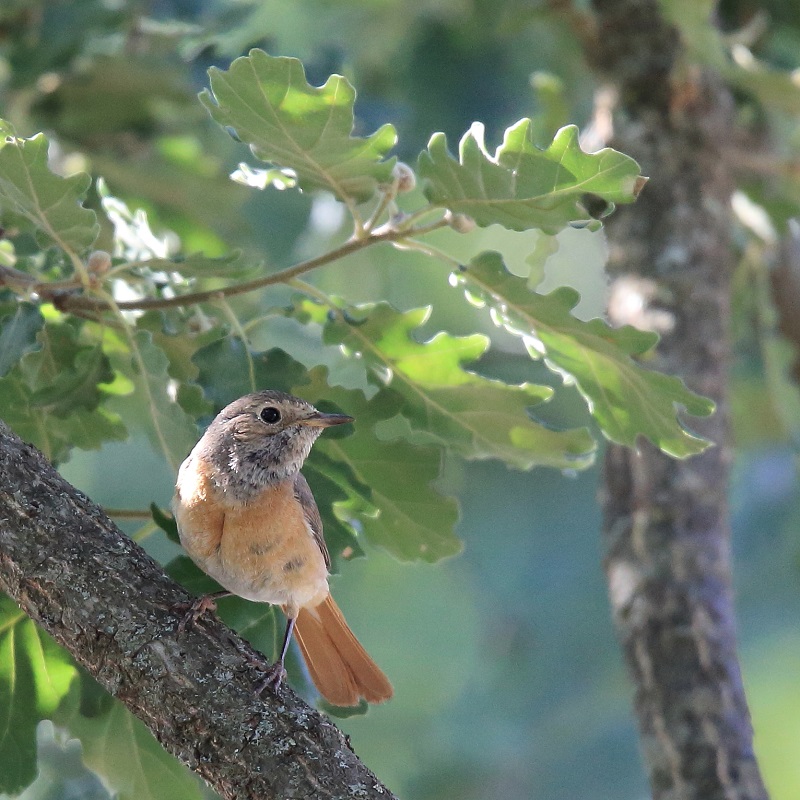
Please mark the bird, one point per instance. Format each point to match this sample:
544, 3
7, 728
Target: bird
246, 516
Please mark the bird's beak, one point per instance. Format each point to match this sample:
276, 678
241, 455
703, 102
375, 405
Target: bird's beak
320, 420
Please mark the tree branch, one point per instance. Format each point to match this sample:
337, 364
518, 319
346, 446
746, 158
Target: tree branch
104, 599
666, 522
72, 303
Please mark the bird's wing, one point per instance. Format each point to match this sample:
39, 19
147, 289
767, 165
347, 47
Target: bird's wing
302, 491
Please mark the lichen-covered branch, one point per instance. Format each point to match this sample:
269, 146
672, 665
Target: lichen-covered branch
104, 599
666, 521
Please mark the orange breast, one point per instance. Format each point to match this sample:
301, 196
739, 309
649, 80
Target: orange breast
262, 550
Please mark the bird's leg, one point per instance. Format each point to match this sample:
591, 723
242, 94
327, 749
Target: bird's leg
194, 610
277, 672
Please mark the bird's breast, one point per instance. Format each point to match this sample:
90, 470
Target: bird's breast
262, 549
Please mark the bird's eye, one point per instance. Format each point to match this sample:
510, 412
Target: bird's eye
270, 414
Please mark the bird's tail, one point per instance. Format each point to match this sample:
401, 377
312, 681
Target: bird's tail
339, 665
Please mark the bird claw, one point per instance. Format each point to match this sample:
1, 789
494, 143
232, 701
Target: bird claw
194, 610
273, 677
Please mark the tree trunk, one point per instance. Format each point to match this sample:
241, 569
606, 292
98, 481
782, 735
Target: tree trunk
666, 522
104, 599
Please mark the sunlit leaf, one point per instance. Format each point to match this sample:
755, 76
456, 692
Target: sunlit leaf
35, 674
626, 400
292, 125
38, 200
473, 415
521, 186
170, 429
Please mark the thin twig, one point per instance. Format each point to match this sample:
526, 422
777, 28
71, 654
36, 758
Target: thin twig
385, 234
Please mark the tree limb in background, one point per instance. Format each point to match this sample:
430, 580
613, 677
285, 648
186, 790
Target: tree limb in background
666, 521
104, 599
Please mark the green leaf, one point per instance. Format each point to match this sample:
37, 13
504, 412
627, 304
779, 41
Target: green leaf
413, 521
55, 436
332, 485
170, 429
270, 106
35, 199
228, 370
166, 522
183, 570
625, 399
52, 396
475, 416
521, 186
35, 674
129, 760
19, 324
65, 373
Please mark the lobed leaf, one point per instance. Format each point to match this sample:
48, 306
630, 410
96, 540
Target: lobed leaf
625, 399
475, 416
37, 200
292, 125
413, 521
52, 396
522, 186
35, 675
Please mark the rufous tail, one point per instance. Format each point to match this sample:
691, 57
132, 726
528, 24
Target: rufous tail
339, 665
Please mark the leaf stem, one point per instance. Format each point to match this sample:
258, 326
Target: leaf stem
387, 197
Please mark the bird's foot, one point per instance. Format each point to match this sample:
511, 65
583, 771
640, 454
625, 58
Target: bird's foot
194, 610
272, 679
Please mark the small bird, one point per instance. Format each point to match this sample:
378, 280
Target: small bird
246, 516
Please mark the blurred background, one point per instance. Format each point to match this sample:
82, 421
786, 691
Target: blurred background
508, 679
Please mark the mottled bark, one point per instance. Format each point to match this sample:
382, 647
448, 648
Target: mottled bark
104, 599
666, 521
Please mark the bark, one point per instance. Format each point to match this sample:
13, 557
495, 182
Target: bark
666, 522
104, 599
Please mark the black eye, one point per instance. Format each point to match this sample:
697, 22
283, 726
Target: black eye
270, 414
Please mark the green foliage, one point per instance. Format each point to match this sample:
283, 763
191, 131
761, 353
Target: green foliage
35, 675
133, 764
521, 186
158, 339
36, 200
169, 427
19, 324
625, 399
270, 106
474, 416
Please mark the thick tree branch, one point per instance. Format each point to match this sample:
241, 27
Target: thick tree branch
104, 599
666, 522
